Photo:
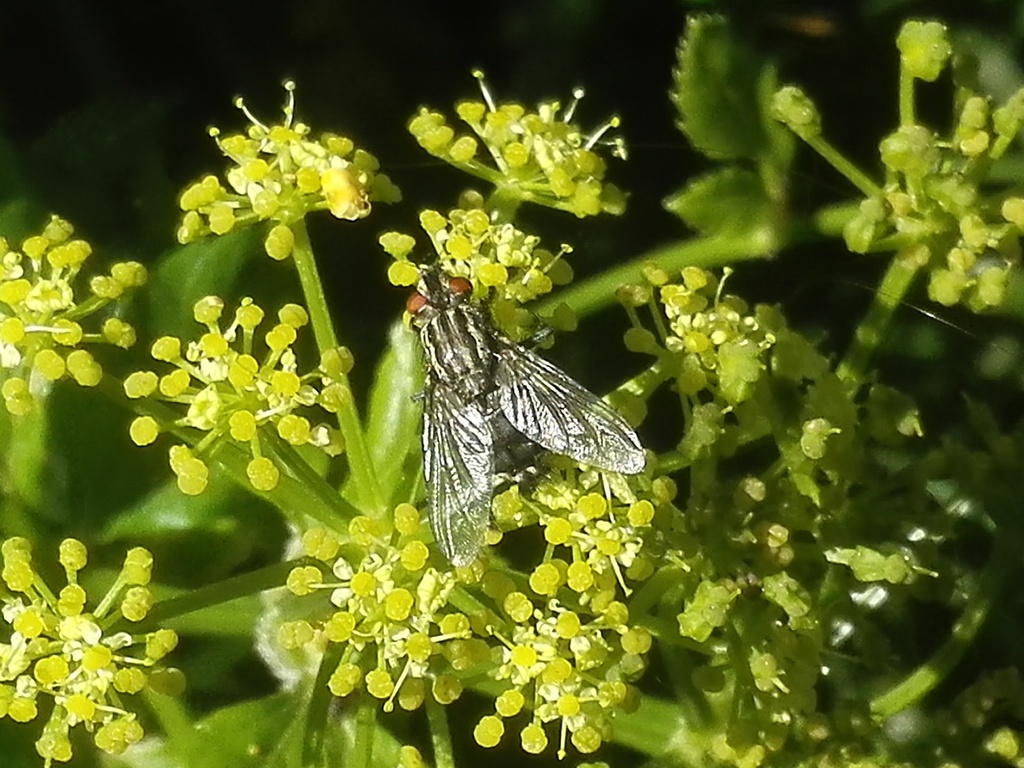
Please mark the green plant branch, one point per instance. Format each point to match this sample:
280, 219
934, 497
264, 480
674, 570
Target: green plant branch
926, 677
837, 160
224, 591
361, 754
440, 733
831, 220
178, 727
316, 720
312, 497
660, 729
364, 480
503, 202
595, 293
871, 330
906, 97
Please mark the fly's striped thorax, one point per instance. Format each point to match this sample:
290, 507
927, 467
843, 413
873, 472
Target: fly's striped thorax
459, 351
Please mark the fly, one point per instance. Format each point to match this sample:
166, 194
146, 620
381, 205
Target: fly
490, 406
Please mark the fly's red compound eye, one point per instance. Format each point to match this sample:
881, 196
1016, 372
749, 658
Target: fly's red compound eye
415, 303
459, 285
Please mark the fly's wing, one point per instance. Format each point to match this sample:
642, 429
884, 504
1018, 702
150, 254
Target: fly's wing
458, 465
553, 410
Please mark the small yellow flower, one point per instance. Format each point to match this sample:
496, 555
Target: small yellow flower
52, 647
389, 609
538, 156
223, 391
563, 665
280, 174
506, 266
40, 314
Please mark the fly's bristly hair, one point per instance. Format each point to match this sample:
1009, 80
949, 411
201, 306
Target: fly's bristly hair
491, 405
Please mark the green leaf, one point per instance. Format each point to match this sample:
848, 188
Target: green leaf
393, 421
234, 618
727, 201
739, 368
168, 511
258, 732
716, 90
705, 430
216, 531
806, 485
25, 441
707, 610
185, 274
871, 565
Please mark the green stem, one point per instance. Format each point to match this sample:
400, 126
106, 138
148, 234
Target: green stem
907, 116
926, 677
364, 480
837, 160
319, 706
25, 467
179, 729
595, 293
658, 728
872, 328
440, 734
503, 204
361, 754
831, 220
219, 592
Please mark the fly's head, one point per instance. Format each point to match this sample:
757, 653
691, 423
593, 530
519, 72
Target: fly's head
436, 293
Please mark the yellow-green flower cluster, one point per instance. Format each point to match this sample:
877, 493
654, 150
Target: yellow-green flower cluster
506, 266
568, 649
716, 344
537, 156
57, 658
936, 205
280, 174
229, 394
603, 536
559, 643
389, 609
566, 658
40, 316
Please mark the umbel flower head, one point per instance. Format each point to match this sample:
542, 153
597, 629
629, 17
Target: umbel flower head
389, 609
718, 347
280, 174
505, 266
568, 650
536, 156
228, 394
57, 658
937, 207
558, 645
41, 332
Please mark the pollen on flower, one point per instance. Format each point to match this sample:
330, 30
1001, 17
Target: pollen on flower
144, 430
488, 731
279, 173
71, 662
